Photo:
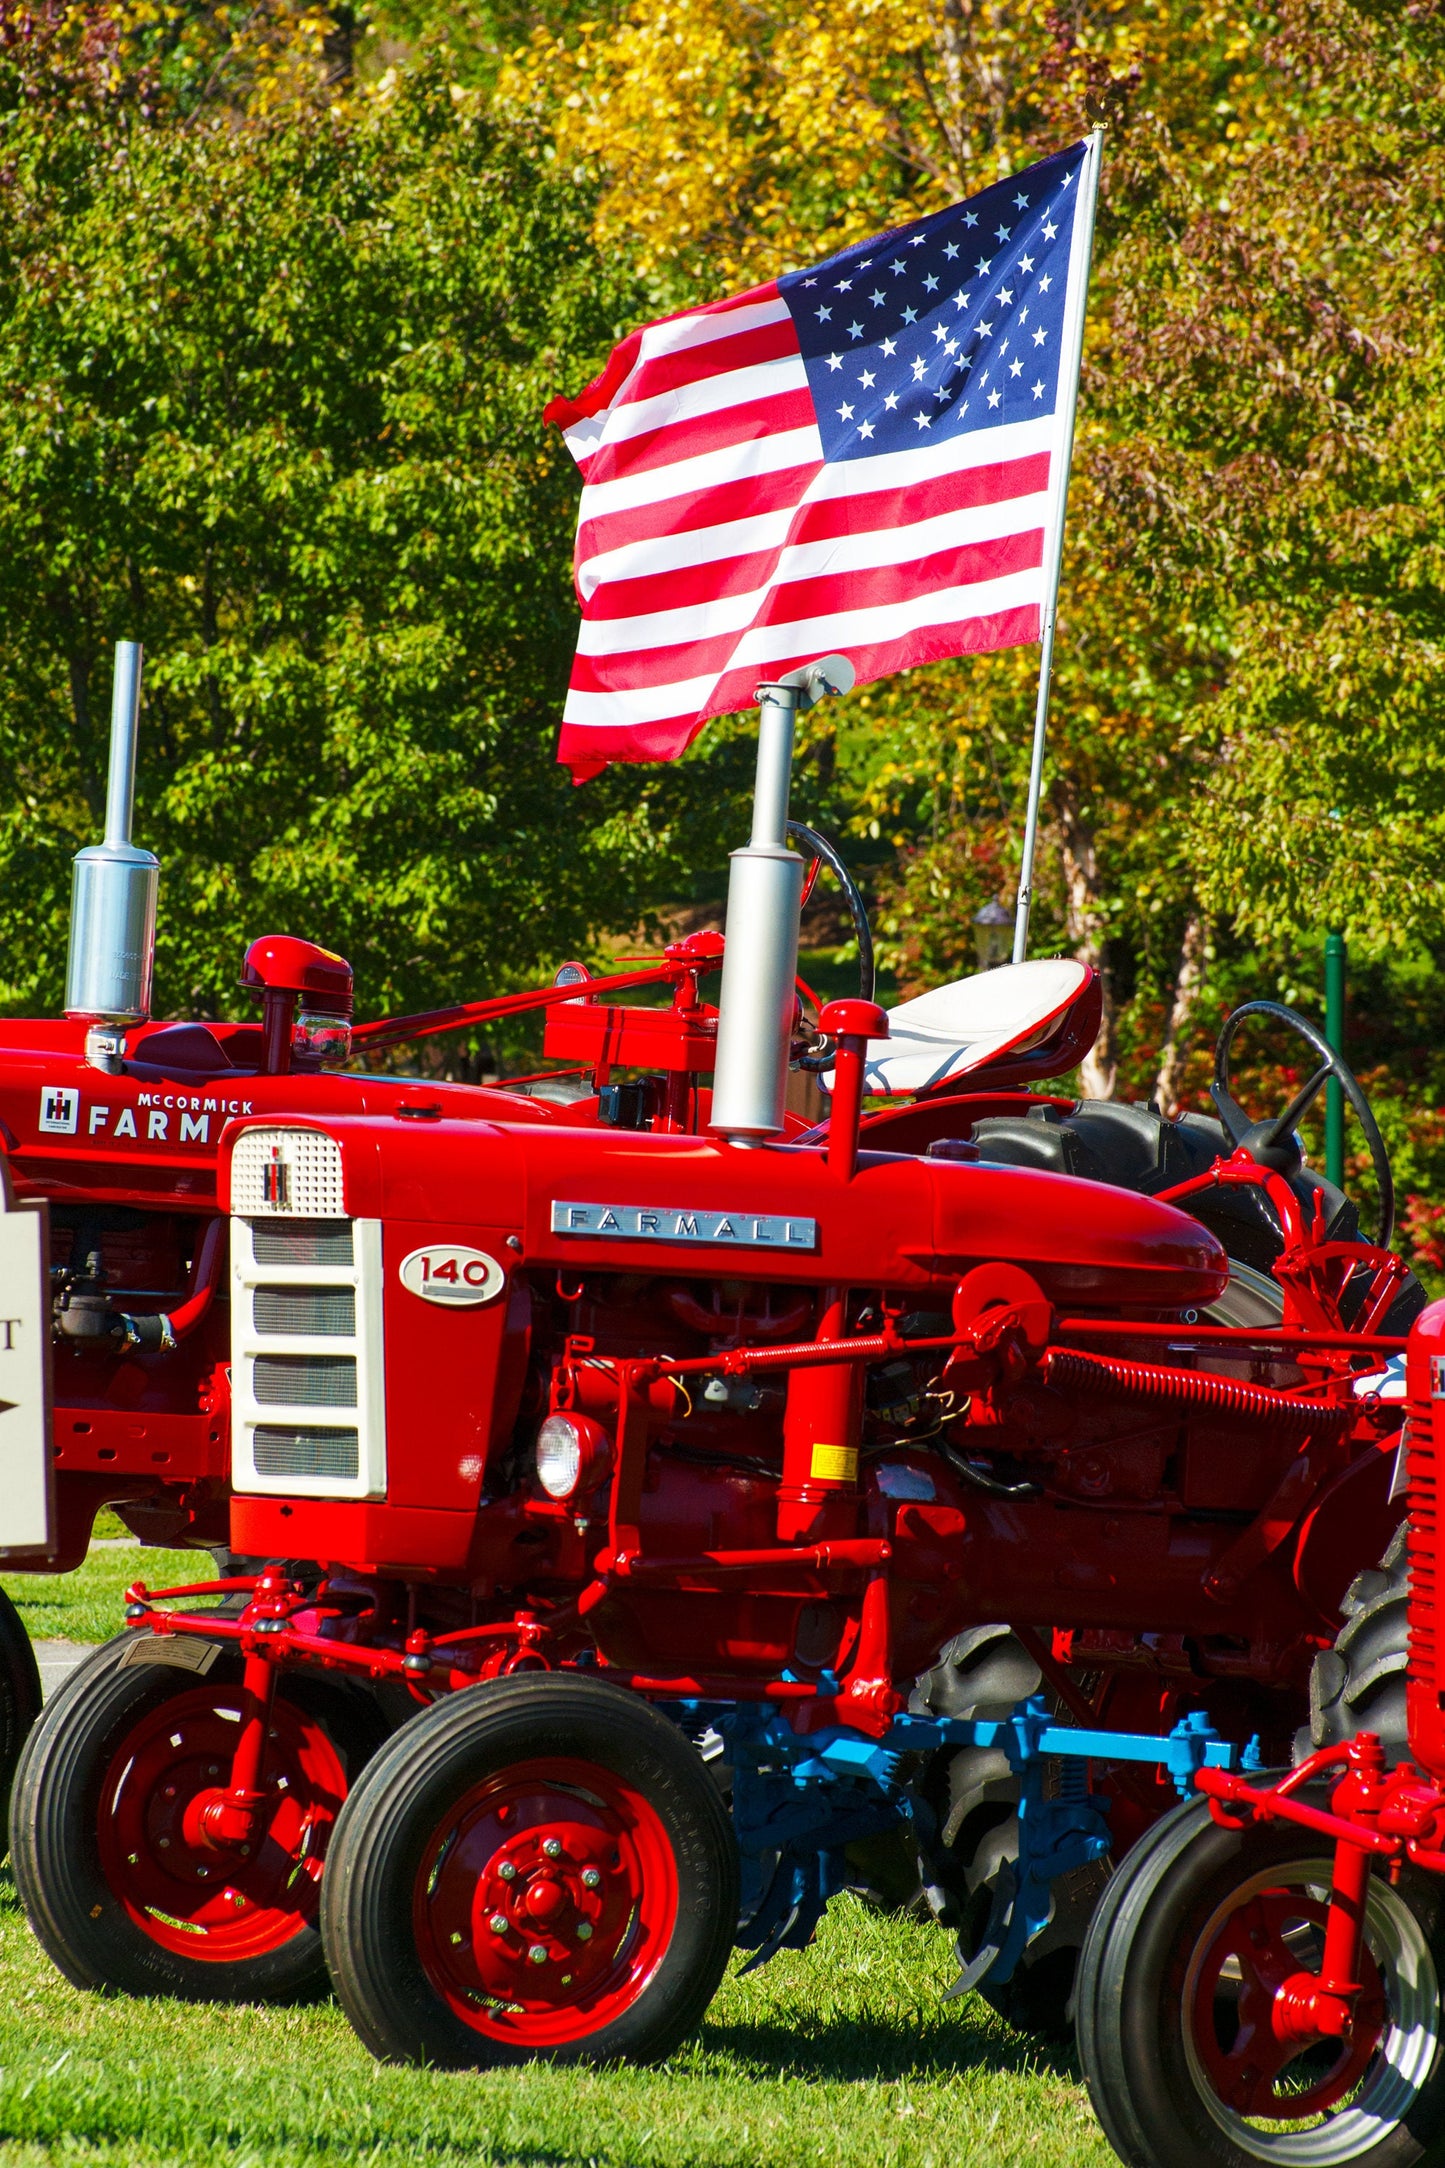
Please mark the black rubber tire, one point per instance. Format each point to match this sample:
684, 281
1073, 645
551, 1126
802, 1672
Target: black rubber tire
384, 1829
983, 1674
58, 1872
1133, 2001
1359, 1684
20, 1701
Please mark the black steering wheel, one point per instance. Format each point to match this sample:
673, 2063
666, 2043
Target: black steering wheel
1272, 1143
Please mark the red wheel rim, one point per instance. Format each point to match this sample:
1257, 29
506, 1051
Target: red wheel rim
555, 1856
1254, 2072
215, 1902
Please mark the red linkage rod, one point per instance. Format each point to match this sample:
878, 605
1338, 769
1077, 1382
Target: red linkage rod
386, 1031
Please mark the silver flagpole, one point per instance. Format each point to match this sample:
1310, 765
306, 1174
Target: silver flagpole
1081, 250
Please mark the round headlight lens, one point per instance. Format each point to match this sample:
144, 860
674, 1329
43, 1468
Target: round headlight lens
561, 1452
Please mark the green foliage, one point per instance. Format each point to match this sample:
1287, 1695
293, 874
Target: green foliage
270, 399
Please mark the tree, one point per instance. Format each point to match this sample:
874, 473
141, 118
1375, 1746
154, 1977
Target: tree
270, 394
1248, 654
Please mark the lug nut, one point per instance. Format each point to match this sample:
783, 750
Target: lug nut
537, 1955
590, 1878
498, 1923
507, 1871
552, 1848
584, 1931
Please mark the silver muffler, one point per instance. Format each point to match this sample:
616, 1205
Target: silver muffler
113, 896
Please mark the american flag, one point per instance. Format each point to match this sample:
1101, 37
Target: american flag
864, 457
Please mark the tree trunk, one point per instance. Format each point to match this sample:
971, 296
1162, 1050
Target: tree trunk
1188, 985
1085, 922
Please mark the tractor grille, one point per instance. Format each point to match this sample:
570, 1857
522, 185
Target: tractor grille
290, 1173
306, 1451
319, 1312
305, 1381
1424, 1552
307, 1355
302, 1242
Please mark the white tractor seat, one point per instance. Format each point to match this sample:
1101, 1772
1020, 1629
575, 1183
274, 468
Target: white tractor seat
957, 1028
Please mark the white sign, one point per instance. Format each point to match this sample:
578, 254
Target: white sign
26, 1483
456, 1277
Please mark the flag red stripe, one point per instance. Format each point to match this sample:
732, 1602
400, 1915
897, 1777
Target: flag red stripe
593, 743
700, 433
821, 520
693, 364
795, 600
683, 514
962, 490
927, 643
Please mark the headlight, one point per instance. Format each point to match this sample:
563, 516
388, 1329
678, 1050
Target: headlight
572, 1454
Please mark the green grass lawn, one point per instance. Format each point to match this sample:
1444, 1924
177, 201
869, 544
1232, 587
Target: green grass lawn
89, 1605
844, 2054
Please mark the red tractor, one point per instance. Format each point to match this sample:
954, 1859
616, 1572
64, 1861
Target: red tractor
644, 1517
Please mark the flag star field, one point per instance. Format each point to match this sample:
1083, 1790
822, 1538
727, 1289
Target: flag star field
954, 327
864, 456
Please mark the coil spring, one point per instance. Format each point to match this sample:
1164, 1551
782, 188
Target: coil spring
1109, 1376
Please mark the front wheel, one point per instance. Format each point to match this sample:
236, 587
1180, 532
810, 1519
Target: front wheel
538, 1867
1178, 1988
117, 1873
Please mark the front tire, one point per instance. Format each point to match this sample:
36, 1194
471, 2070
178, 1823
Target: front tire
537, 1867
113, 1880
1176, 1989
20, 1702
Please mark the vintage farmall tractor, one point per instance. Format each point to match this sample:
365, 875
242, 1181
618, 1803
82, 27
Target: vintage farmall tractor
646, 1517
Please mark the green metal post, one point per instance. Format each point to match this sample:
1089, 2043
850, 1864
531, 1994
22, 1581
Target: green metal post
1335, 1033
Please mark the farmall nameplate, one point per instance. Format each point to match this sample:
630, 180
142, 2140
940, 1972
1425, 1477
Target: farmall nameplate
675, 1223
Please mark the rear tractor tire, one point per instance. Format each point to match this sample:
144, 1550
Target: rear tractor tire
540, 1867
1359, 1684
116, 1875
982, 1675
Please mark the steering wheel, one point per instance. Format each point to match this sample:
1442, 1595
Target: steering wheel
1272, 1143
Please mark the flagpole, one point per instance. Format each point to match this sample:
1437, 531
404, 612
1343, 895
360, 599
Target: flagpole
1069, 365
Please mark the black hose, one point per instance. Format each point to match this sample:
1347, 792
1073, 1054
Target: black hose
832, 857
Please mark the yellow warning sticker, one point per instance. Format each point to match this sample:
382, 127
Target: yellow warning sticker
835, 1463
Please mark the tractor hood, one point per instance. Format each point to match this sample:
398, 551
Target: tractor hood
588, 1200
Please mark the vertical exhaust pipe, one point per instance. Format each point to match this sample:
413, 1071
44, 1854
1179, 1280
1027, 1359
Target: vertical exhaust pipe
765, 886
113, 894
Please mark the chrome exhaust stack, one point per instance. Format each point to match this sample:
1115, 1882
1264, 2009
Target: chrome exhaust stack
113, 895
765, 886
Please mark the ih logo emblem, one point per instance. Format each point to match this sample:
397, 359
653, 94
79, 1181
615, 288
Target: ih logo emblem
276, 1181
59, 1111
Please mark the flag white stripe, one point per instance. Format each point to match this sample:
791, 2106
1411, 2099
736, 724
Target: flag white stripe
842, 478
685, 477
709, 395
775, 642
700, 330
815, 560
